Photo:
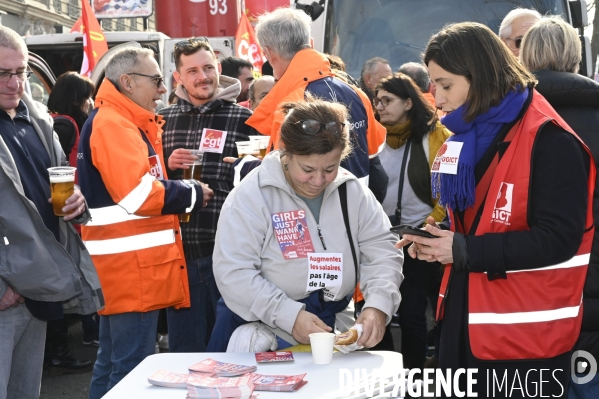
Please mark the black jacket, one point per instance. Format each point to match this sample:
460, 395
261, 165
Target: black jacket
576, 99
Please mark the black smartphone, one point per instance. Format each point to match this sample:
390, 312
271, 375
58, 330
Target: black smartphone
407, 229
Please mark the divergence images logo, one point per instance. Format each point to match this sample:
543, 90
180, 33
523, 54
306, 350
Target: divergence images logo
503, 205
583, 367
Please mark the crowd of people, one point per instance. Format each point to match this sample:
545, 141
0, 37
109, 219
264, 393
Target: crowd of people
489, 145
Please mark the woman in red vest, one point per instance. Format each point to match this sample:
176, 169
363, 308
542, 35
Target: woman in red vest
517, 183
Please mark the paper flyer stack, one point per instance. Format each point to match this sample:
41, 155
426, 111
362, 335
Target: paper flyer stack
212, 379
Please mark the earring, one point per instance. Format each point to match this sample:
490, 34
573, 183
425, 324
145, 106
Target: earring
286, 166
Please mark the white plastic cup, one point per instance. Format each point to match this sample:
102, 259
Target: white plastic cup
62, 185
322, 347
247, 148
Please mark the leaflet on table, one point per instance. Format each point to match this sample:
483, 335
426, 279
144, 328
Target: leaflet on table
164, 378
278, 383
220, 369
203, 386
280, 356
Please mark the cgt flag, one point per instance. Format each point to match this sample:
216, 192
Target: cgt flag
94, 42
247, 45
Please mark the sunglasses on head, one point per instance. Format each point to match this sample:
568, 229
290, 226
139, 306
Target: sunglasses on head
517, 41
310, 126
190, 41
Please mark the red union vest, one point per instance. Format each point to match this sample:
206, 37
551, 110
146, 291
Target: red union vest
534, 313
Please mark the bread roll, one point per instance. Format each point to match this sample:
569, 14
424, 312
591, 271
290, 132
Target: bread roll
347, 338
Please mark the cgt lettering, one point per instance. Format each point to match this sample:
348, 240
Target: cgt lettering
503, 216
155, 171
449, 159
212, 142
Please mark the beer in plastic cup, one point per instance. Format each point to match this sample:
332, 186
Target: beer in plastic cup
262, 143
194, 172
247, 148
322, 347
62, 186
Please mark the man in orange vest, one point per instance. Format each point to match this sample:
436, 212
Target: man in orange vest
284, 36
134, 236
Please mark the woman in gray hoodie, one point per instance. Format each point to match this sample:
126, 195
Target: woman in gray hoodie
292, 266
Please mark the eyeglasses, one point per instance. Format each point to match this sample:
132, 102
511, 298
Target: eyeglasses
517, 41
310, 126
382, 100
5, 76
159, 80
190, 42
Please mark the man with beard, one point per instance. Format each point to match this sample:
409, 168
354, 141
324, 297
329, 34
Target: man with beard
204, 117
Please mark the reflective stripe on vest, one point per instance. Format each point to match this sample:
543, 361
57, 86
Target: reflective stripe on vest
135, 199
131, 243
110, 215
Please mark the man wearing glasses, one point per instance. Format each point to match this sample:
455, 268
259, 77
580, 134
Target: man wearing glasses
134, 236
42, 260
515, 24
205, 118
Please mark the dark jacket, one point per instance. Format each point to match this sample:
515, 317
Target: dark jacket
576, 99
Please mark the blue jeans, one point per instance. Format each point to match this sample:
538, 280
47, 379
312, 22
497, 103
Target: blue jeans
21, 353
189, 329
584, 391
125, 340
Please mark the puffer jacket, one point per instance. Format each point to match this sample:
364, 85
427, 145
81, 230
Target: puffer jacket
576, 99
26, 244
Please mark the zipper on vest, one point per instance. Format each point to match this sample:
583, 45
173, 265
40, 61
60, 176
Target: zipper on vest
321, 237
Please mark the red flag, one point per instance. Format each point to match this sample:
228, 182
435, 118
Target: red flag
247, 45
77, 26
94, 42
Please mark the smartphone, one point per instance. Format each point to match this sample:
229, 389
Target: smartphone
406, 229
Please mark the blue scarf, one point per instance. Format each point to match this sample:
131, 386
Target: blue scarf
458, 191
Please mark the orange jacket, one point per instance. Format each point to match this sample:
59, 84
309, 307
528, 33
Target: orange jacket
136, 249
307, 66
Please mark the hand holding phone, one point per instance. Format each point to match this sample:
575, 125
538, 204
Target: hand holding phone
403, 229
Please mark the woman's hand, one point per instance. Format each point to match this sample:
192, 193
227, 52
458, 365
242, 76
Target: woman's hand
305, 324
373, 327
432, 249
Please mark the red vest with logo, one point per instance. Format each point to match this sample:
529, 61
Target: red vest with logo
533, 313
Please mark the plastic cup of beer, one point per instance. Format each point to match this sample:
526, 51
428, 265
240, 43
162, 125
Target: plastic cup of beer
262, 143
247, 148
62, 185
322, 347
193, 172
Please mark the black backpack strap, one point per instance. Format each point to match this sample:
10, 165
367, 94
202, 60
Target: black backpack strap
343, 200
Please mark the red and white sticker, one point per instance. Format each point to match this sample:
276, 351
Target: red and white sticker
325, 273
156, 167
213, 140
291, 230
447, 158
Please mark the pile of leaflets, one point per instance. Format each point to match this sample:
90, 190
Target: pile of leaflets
215, 368
280, 356
164, 378
278, 383
204, 387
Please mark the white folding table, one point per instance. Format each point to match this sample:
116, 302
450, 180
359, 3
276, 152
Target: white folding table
323, 380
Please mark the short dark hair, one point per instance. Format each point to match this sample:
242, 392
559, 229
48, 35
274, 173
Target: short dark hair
189, 47
295, 142
231, 66
70, 92
422, 115
418, 73
472, 50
